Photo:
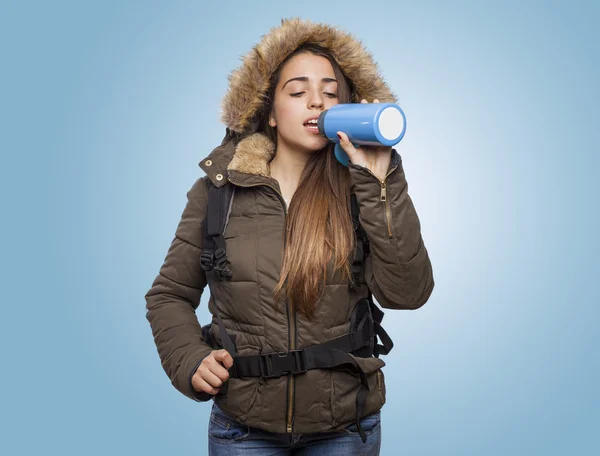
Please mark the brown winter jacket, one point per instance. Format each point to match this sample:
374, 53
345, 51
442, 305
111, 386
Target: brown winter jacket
398, 270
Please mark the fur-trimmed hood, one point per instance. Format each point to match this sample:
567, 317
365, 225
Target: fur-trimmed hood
250, 152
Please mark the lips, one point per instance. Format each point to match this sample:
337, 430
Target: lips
312, 128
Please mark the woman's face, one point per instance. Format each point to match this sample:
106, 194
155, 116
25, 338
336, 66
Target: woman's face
297, 100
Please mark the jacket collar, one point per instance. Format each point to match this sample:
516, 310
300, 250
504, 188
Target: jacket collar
244, 162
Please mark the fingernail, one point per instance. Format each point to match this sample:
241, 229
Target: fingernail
339, 136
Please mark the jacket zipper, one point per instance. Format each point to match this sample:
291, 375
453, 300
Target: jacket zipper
291, 378
289, 311
291, 344
383, 198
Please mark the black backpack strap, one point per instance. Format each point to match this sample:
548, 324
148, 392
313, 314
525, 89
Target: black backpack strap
276, 364
386, 342
214, 254
358, 278
362, 246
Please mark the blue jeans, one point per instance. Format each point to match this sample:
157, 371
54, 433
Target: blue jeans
228, 437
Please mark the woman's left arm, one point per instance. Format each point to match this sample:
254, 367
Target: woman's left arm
398, 270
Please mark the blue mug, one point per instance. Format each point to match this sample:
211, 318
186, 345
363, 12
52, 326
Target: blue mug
366, 124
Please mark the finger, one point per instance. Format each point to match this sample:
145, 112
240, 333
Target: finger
224, 357
200, 384
211, 378
363, 101
346, 144
217, 369
375, 100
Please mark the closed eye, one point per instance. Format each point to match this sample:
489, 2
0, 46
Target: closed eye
329, 94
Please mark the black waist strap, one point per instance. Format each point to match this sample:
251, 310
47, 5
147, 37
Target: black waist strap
272, 365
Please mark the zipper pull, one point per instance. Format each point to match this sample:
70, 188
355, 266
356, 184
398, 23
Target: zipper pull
383, 192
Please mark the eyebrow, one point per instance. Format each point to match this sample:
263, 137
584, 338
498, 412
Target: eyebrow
305, 78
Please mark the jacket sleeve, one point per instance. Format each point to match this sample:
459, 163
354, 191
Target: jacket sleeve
397, 270
174, 296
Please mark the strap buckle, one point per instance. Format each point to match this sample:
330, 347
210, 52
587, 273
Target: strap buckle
220, 264
207, 260
299, 357
273, 365
219, 254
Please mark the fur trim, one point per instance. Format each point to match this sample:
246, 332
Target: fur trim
248, 85
252, 155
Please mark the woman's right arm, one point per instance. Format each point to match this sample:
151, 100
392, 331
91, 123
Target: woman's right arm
172, 300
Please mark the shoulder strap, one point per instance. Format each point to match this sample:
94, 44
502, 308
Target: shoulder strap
358, 274
214, 255
362, 246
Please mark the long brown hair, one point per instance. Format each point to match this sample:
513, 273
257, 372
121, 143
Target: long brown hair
319, 223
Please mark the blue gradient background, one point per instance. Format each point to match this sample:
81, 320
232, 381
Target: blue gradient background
108, 107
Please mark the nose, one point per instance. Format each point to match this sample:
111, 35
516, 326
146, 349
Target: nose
316, 100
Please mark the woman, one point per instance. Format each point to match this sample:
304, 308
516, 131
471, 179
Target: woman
290, 245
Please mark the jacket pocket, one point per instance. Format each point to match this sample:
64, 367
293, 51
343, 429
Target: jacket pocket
241, 392
345, 386
241, 395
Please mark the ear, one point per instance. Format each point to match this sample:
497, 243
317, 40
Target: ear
272, 121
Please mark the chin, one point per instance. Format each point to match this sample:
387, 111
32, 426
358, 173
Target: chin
317, 143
